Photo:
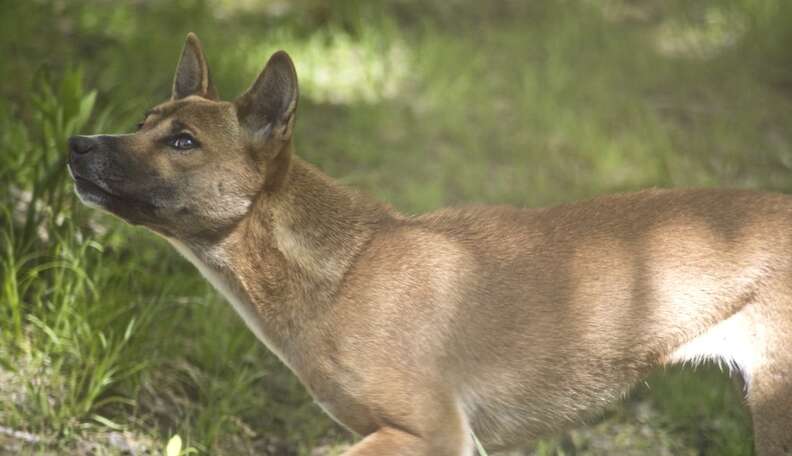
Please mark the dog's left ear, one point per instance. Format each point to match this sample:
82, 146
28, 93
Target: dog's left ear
267, 109
192, 73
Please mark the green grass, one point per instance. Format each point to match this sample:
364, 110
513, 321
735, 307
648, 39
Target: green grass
104, 330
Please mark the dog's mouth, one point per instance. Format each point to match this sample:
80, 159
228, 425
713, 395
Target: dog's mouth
100, 196
90, 192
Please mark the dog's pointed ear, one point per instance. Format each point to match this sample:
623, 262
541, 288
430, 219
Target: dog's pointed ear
192, 73
267, 109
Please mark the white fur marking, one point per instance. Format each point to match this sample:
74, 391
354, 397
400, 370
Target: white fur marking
468, 449
737, 341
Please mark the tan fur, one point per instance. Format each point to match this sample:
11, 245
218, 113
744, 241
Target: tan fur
415, 331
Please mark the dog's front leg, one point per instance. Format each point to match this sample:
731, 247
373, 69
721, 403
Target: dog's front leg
390, 441
415, 424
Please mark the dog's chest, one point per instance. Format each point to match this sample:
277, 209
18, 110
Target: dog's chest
213, 272
337, 399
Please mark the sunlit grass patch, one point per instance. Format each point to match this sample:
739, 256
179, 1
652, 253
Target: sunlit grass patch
335, 66
715, 31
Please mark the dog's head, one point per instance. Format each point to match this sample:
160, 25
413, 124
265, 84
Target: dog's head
196, 164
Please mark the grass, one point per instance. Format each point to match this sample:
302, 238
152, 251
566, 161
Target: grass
418, 103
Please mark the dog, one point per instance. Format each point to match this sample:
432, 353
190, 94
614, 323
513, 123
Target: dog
420, 332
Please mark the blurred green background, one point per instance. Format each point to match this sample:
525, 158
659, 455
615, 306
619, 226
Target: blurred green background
110, 343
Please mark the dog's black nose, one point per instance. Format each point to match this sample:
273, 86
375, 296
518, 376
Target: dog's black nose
79, 145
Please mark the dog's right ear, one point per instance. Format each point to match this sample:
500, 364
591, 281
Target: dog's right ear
267, 109
192, 72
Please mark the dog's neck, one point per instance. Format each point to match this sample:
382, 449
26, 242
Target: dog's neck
283, 263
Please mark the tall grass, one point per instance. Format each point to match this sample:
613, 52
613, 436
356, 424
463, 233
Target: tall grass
66, 346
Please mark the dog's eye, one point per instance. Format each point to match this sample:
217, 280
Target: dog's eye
183, 141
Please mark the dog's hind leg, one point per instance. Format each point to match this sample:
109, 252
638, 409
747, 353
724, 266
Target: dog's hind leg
757, 342
770, 400
770, 379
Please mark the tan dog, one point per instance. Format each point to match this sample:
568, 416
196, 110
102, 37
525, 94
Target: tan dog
417, 332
